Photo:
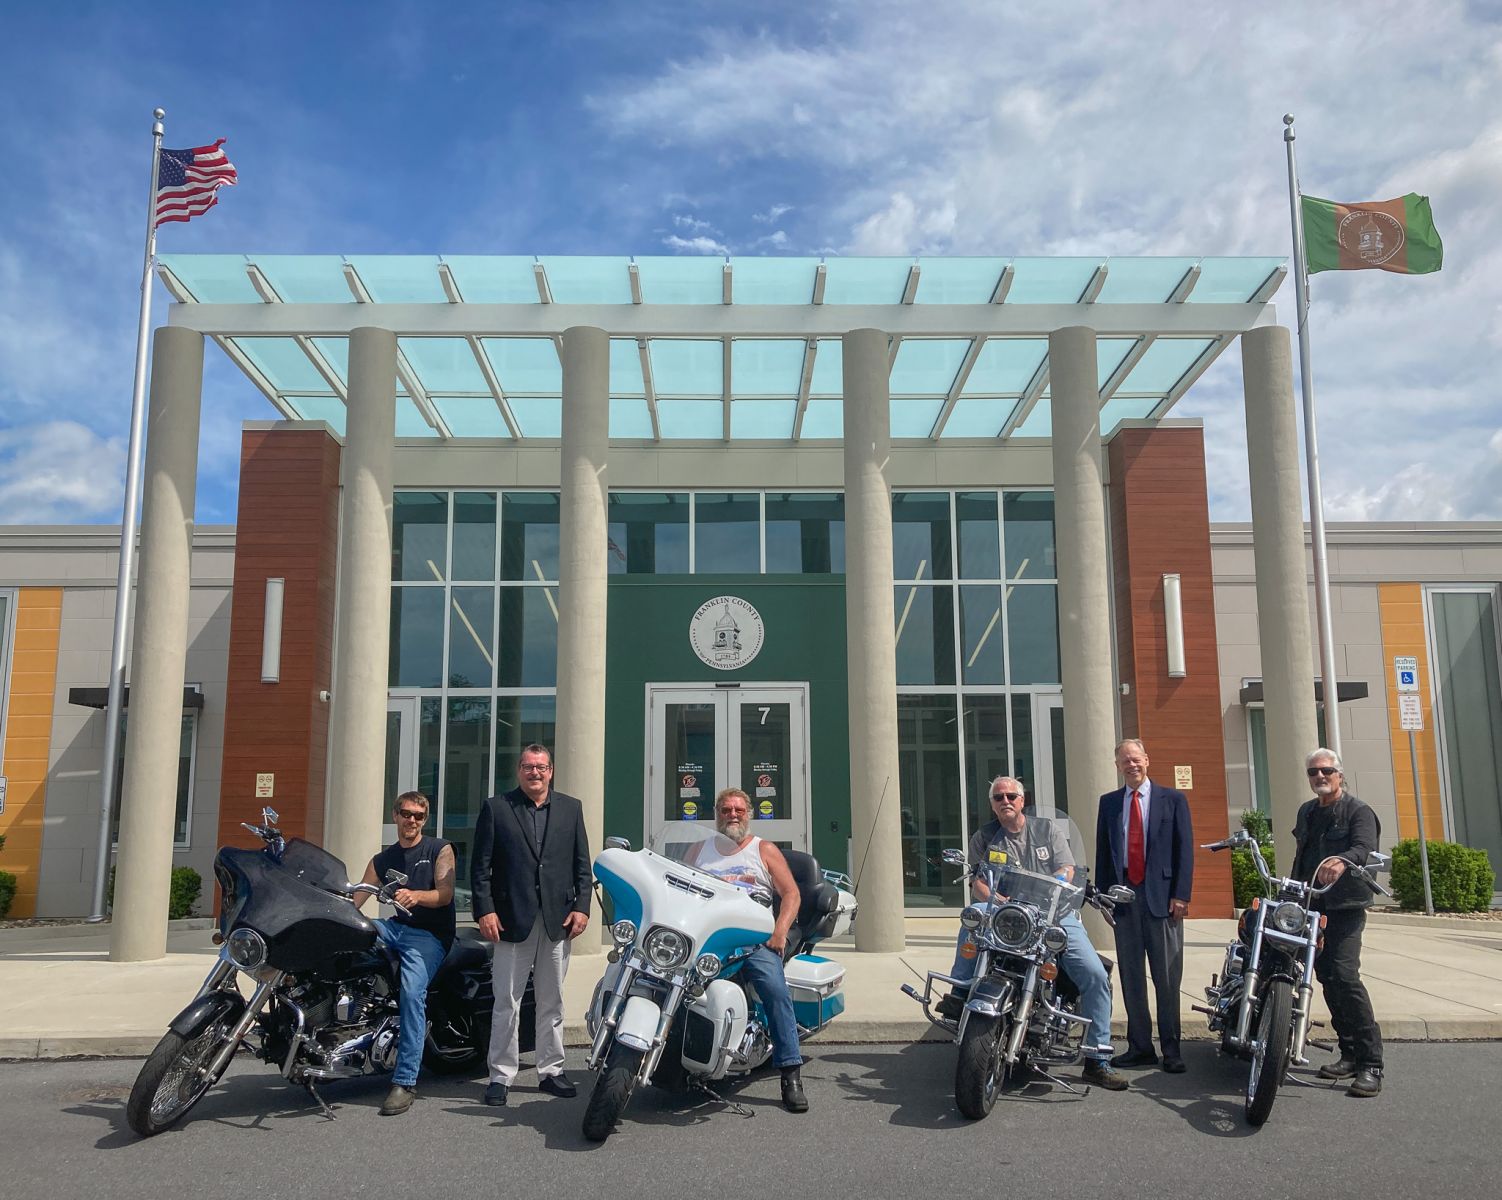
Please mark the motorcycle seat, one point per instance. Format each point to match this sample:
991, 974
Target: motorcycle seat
466, 954
818, 898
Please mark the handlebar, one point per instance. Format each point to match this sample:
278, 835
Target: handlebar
370, 889
1241, 839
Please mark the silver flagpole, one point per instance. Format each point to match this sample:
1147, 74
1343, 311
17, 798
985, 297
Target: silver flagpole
126, 575
1330, 685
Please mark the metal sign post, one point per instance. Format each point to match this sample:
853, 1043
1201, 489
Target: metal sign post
1411, 718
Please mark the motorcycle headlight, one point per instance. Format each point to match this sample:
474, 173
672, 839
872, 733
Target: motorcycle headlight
246, 949
666, 948
1289, 918
623, 932
1012, 926
972, 917
1056, 938
708, 966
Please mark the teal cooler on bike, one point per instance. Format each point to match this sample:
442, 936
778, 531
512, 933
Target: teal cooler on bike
815, 985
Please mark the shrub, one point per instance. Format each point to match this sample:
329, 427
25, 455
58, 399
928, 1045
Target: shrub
1460, 878
186, 887
1246, 884
7, 891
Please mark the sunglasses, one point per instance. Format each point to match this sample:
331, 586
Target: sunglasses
407, 814
1325, 771
1006, 795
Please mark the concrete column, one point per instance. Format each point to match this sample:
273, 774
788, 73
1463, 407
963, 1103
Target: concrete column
362, 624
143, 867
1084, 584
870, 632
1272, 450
582, 576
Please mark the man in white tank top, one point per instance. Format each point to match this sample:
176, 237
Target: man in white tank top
738, 857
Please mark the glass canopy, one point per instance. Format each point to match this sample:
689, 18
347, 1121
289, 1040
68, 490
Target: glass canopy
714, 348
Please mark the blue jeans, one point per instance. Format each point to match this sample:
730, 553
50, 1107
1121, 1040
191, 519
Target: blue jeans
421, 954
763, 970
1082, 964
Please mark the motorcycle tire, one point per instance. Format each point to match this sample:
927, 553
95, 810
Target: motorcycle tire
458, 1043
169, 1083
612, 1092
1271, 1055
981, 1070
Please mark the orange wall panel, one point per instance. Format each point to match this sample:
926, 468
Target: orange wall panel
1404, 632
28, 737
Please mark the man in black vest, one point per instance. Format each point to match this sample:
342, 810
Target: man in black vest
530, 875
421, 938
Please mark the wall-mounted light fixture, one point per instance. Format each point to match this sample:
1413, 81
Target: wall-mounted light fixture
271, 633
1173, 620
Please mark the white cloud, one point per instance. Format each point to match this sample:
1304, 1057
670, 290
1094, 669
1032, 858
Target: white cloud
59, 472
695, 245
692, 224
975, 128
772, 214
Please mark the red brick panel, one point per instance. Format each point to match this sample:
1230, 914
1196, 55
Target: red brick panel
288, 528
1160, 524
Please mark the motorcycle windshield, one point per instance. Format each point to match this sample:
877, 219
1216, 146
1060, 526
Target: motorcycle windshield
1042, 864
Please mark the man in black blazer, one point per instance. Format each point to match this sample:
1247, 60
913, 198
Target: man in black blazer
1143, 839
530, 877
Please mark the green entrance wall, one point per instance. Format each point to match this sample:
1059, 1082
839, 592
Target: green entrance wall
805, 643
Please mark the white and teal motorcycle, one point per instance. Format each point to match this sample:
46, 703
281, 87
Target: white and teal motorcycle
671, 1009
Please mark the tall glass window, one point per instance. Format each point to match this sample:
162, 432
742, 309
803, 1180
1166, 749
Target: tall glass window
727, 533
186, 749
1469, 673
648, 533
987, 643
805, 533
928, 761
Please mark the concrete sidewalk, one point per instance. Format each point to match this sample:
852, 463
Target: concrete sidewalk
1431, 979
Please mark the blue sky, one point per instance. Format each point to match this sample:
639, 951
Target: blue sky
872, 128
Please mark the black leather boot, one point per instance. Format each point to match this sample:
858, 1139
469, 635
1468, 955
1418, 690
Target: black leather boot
793, 1098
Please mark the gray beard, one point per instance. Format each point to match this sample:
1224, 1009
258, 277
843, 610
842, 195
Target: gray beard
734, 830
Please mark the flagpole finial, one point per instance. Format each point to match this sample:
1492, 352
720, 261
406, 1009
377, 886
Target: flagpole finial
1288, 133
158, 113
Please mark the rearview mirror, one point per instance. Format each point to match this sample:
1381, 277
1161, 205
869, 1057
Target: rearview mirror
617, 843
1121, 894
1376, 861
269, 816
395, 876
955, 858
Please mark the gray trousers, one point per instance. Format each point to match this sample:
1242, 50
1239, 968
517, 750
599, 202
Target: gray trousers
1145, 942
547, 962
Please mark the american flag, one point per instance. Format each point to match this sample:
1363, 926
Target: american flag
188, 181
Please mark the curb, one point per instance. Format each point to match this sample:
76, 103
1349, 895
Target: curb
1424, 921
857, 1032
26, 934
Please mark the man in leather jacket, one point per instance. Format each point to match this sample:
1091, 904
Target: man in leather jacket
1332, 830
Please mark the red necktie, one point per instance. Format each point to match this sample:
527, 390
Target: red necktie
1136, 844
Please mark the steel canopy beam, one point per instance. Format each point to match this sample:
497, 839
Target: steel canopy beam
721, 321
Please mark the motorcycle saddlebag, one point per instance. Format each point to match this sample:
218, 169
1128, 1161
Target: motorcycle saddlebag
815, 985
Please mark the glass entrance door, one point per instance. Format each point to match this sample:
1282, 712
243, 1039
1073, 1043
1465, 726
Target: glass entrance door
703, 739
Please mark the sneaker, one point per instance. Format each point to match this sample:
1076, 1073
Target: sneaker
1368, 1082
1342, 1068
398, 1100
495, 1095
1100, 1074
793, 1098
558, 1085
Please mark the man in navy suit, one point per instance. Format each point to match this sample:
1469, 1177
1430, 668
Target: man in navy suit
530, 875
1143, 839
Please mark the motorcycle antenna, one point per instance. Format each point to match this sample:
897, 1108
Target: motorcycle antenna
880, 800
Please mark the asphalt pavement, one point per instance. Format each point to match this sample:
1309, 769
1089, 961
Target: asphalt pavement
883, 1123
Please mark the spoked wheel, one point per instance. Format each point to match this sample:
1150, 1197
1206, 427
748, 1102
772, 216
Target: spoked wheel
177, 1074
1270, 1054
982, 1067
612, 1092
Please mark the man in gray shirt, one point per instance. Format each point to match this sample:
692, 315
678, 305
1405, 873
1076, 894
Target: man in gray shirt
1041, 846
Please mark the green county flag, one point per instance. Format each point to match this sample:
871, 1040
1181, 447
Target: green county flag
1373, 235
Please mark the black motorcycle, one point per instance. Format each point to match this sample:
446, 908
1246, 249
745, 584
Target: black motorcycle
324, 999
